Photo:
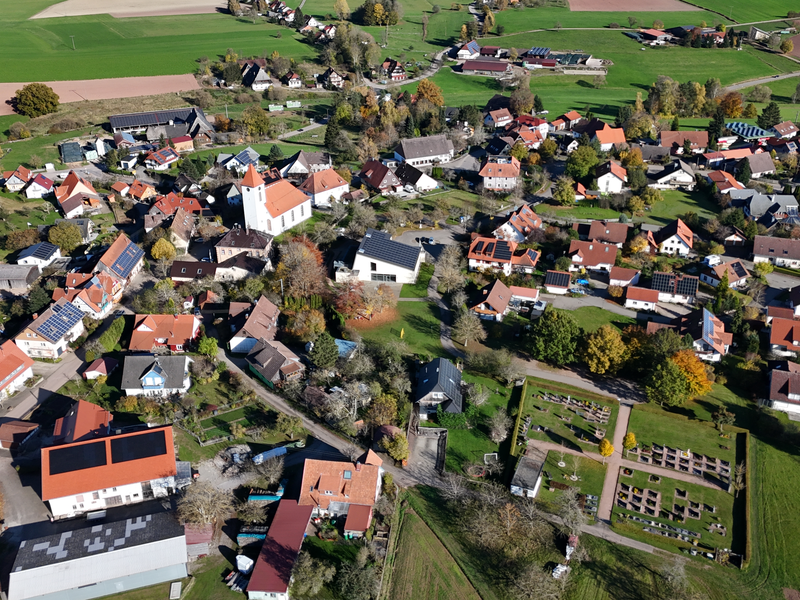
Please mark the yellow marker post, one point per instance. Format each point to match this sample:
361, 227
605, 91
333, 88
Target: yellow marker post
402, 333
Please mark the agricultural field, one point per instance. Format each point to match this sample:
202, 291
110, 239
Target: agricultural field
744, 11
424, 568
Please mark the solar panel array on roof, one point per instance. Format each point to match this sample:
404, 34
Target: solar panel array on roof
739, 269
539, 51
146, 119
245, 159
379, 245
137, 447
708, 327
664, 282
64, 317
479, 247
557, 279
127, 260
42, 250
687, 286
490, 248
503, 251
77, 458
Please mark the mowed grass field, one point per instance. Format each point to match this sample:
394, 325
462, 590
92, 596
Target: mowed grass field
743, 11
424, 568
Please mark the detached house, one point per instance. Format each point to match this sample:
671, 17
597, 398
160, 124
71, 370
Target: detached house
676, 239
785, 130
39, 255
174, 332
91, 294
160, 160
593, 256
392, 70
500, 173
302, 164
500, 255
241, 240
641, 298
151, 375
16, 180
16, 367
425, 151
256, 78
603, 231
273, 363
611, 177
123, 261
784, 336
724, 181
608, 137
498, 118
381, 259
469, 51
710, 340
761, 164
438, 383
292, 80
781, 252
39, 187
49, 334
324, 187
412, 176
74, 185
784, 388
332, 488
332, 79
557, 282
735, 270
256, 322
676, 140
622, 277
675, 175
96, 474
521, 223
491, 301
675, 287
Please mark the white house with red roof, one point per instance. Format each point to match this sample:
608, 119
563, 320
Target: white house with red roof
498, 118
16, 180
74, 185
40, 187
676, 239
785, 130
622, 277
521, 223
724, 181
592, 256
272, 207
641, 299
16, 368
611, 177
608, 137
500, 173
324, 187
492, 254
160, 160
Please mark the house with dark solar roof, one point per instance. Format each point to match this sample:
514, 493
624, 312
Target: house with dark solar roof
49, 334
735, 270
92, 560
95, 474
156, 375
675, 287
710, 341
40, 255
381, 259
123, 261
490, 254
557, 282
438, 382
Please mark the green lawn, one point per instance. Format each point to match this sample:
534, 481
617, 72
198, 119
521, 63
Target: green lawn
591, 318
417, 322
586, 209
677, 203
590, 473
419, 289
744, 11
557, 429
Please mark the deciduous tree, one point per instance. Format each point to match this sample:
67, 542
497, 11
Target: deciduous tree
581, 162
35, 100
499, 424
431, 92
667, 385
604, 352
629, 441
309, 576
564, 192
554, 337
21, 238
606, 449
723, 417
207, 346
396, 446
163, 249
468, 327
288, 425
694, 371
204, 503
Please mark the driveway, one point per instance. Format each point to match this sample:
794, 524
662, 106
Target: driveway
22, 503
444, 237
778, 282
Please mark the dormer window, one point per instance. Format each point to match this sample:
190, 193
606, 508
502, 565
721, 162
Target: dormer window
348, 475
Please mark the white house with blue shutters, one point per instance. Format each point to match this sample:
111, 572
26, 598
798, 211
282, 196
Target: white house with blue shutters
151, 375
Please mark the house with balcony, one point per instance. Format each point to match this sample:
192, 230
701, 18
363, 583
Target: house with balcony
438, 383
49, 334
173, 332
487, 253
155, 375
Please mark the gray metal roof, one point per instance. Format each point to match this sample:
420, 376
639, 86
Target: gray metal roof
159, 117
95, 539
71, 152
24, 274
42, 250
432, 145
440, 375
173, 367
528, 469
379, 245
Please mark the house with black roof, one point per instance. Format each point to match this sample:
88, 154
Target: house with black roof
438, 382
675, 287
40, 255
381, 259
71, 152
151, 375
557, 282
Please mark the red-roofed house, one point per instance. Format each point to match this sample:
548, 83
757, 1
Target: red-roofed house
160, 160
622, 277
15, 432
169, 204
676, 238
608, 137
785, 130
571, 118
593, 256
175, 332
84, 421
275, 207
94, 295
603, 231
272, 573
724, 181
784, 337
323, 187
102, 367
16, 368
498, 118
98, 473
121, 188
641, 299
611, 177
16, 180
40, 187
500, 255
784, 389
331, 487
521, 223
141, 191
74, 185
500, 175
675, 140
184, 143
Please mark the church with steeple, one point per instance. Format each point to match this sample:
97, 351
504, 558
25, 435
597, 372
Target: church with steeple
272, 207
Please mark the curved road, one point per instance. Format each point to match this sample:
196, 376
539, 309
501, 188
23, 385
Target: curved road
760, 81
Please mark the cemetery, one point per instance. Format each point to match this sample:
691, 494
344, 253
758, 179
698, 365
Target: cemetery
562, 471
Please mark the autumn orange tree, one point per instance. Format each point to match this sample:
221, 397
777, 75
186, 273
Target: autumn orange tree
731, 104
695, 372
606, 449
430, 92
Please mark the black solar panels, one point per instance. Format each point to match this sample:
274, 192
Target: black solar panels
664, 282
126, 261
739, 269
137, 447
673, 283
490, 248
557, 279
147, 119
77, 458
479, 247
378, 245
63, 318
687, 285
42, 251
502, 251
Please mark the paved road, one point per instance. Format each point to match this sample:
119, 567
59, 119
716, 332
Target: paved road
25, 403
290, 134
759, 81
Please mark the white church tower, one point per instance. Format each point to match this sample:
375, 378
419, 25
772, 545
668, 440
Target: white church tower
272, 208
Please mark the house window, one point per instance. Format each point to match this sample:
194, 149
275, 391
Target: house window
183, 270
373, 266
301, 210
95, 496
283, 221
292, 215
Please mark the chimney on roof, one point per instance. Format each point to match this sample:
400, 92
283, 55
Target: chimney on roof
35, 316
358, 465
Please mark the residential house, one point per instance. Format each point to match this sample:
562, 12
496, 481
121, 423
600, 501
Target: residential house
241, 267
557, 282
123, 260
675, 239
608, 137
675, 175
392, 70
593, 256
174, 332
256, 78
272, 207
603, 231
272, 573
273, 363
735, 270
40, 255
641, 298
570, 119
239, 162
91, 294
720, 157
611, 177
520, 224
379, 177
331, 79
736, 238
183, 143
76, 205
302, 164
498, 118
676, 288
380, 258
491, 301
292, 80
247, 241
231, 194
141, 191
438, 384
86, 227
332, 487
750, 133
83, 421
781, 252
767, 210
784, 336
413, 177
260, 322
152, 375
40, 187
784, 388
778, 312
676, 140
186, 186
16, 367
761, 164
95, 474
160, 160
622, 277
168, 205
15, 181
725, 182
490, 68
469, 50
183, 271
102, 367
500, 173
425, 151
15, 432
492, 254
181, 230
710, 340
49, 334
17, 277
324, 187
86, 562
785, 130
74, 185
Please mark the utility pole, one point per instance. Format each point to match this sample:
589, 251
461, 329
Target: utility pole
73, 41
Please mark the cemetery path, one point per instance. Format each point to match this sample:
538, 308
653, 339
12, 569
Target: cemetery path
614, 461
